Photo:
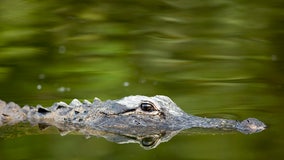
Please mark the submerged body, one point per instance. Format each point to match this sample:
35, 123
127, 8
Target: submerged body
130, 116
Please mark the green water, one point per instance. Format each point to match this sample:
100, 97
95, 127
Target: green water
213, 58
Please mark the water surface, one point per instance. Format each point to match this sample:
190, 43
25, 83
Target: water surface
213, 58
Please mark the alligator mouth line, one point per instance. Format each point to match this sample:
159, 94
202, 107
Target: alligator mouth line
120, 113
133, 111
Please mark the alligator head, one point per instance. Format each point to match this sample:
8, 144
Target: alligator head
139, 115
146, 115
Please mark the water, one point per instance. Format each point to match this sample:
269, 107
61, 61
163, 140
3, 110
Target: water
213, 58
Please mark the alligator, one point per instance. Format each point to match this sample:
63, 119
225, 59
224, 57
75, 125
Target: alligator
148, 120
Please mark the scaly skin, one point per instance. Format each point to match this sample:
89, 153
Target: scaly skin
148, 121
135, 115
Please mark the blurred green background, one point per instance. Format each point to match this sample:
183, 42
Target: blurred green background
213, 58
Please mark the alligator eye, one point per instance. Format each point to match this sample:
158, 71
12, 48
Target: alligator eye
147, 106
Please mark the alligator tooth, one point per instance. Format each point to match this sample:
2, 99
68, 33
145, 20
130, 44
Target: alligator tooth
75, 103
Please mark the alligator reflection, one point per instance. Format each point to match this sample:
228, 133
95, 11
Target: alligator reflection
146, 140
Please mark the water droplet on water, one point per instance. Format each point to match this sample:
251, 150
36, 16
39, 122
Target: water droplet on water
39, 87
126, 84
274, 57
63, 89
41, 76
61, 49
